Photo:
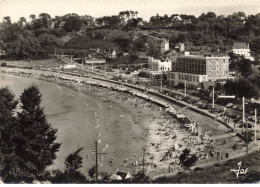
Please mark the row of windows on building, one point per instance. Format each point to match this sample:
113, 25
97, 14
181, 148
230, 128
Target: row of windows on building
217, 67
165, 69
242, 51
190, 68
190, 78
210, 72
217, 72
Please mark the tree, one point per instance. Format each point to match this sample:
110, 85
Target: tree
241, 87
240, 64
7, 109
45, 16
48, 43
7, 105
73, 162
131, 24
21, 21
255, 79
154, 51
10, 163
233, 61
123, 43
32, 16
245, 67
211, 15
7, 19
38, 148
73, 23
187, 159
92, 172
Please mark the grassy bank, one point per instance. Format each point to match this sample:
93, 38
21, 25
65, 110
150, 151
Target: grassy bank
220, 173
46, 63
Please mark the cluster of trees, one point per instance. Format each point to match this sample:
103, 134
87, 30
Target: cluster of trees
248, 82
28, 144
41, 35
27, 140
241, 87
24, 40
212, 29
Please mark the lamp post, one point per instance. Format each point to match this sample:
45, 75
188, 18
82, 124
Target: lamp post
255, 123
161, 82
213, 98
246, 126
185, 84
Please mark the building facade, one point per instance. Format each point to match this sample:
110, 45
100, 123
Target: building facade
196, 69
243, 50
124, 16
159, 64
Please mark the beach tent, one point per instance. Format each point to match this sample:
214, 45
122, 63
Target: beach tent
199, 103
206, 85
124, 175
115, 177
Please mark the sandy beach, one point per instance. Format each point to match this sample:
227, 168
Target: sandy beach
129, 127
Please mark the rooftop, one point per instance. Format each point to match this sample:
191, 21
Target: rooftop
203, 57
240, 46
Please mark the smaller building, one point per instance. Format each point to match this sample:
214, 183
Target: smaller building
243, 50
175, 18
94, 61
110, 53
180, 47
68, 66
124, 16
159, 64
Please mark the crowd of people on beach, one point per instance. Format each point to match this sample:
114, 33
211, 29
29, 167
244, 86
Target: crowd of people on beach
174, 135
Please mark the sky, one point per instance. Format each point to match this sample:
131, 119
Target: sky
146, 8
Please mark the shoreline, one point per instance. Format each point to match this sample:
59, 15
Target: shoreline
154, 136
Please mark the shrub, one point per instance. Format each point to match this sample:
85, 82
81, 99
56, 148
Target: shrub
4, 64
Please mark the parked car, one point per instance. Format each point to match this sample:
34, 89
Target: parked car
213, 111
189, 101
199, 103
204, 106
234, 107
232, 116
250, 118
194, 101
243, 125
240, 108
229, 105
